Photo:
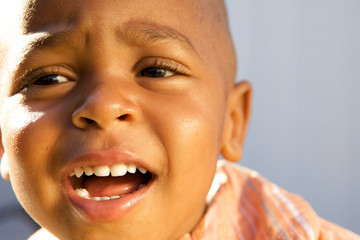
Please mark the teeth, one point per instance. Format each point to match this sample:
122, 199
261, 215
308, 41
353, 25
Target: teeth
88, 171
102, 171
131, 169
78, 172
142, 170
98, 199
118, 170
82, 192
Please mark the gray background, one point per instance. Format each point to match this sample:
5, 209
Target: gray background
302, 58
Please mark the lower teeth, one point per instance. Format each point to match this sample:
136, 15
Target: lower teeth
114, 197
82, 192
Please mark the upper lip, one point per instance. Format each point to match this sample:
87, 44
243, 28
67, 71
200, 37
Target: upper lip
108, 157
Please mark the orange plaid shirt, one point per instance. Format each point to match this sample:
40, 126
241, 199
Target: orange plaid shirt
244, 205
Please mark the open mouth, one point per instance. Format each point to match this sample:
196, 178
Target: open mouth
103, 183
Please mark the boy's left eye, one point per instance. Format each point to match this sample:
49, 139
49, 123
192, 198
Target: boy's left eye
155, 72
50, 80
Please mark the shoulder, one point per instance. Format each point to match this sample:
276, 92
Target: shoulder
330, 231
270, 210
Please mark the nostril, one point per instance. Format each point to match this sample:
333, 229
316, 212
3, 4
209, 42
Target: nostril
88, 121
84, 121
123, 117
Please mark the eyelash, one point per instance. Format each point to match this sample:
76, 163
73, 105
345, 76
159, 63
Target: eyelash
31, 76
165, 64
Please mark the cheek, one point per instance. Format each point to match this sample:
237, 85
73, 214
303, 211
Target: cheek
27, 138
194, 130
190, 130
20, 141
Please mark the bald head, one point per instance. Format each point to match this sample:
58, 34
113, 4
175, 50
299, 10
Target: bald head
19, 16
217, 29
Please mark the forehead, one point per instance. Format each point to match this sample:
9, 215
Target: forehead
201, 24
185, 16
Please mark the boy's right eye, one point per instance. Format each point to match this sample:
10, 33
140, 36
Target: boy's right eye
47, 76
47, 83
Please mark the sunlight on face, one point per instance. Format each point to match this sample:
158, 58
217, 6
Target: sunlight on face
10, 13
101, 83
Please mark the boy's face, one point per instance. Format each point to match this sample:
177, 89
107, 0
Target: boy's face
102, 83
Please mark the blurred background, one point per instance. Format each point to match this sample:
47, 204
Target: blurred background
303, 59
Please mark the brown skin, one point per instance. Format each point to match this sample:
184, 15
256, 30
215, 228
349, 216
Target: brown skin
179, 123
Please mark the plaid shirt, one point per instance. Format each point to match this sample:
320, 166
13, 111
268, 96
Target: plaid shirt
244, 205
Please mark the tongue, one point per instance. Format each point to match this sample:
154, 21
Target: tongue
112, 186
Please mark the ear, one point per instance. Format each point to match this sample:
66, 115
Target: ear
236, 121
4, 162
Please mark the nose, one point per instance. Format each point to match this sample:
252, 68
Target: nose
102, 108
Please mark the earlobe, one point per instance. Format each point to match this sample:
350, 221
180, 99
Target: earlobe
3, 162
4, 167
236, 121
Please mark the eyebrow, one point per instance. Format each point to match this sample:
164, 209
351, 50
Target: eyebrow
138, 34
45, 40
148, 33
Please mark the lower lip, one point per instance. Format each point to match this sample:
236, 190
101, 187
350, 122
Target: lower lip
107, 210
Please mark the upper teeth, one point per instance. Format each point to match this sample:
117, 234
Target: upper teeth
104, 170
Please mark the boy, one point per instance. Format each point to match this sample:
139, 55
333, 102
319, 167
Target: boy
113, 114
